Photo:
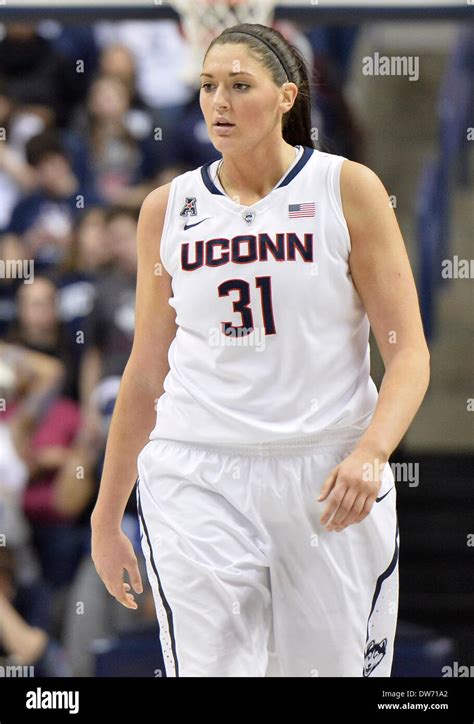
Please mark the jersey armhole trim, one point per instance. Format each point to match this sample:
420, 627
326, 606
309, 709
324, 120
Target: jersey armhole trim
166, 223
336, 199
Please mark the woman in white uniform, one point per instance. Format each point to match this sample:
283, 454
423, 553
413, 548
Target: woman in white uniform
266, 500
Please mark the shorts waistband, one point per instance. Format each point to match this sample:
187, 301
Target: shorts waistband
318, 442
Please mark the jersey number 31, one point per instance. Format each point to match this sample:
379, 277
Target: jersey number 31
242, 305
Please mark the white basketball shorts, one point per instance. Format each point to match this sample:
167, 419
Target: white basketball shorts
246, 581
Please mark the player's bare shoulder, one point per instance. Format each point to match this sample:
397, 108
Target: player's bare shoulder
152, 216
362, 193
358, 182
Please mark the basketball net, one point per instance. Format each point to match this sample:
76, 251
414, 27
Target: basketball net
203, 20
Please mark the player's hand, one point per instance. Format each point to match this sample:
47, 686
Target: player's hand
112, 553
351, 489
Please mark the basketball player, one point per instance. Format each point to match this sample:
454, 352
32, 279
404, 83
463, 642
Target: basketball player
267, 504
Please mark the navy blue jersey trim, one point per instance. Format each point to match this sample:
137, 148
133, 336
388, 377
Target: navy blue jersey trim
307, 153
169, 613
210, 185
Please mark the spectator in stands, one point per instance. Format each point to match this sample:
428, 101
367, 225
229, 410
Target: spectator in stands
110, 327
89, 255
58, 485
16, 177
124, 155
75, 42
117, 61
48, 504
30, 384
12, 250
160, 54
45, 218
37, 75
91, 250
24, 617
38, 327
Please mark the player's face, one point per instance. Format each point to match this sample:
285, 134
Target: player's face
240, 102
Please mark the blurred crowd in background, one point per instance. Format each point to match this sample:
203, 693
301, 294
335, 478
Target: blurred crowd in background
92, 119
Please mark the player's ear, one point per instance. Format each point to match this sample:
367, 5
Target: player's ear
288, 97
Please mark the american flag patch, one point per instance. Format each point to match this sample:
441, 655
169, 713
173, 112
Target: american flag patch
298, 211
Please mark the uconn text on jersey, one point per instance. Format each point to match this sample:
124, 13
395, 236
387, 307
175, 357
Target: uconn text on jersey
245, 249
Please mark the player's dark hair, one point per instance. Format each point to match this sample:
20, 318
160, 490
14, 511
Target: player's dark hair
286, 64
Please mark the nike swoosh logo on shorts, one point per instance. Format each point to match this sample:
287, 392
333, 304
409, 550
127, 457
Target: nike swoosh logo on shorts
190, 226
377, 500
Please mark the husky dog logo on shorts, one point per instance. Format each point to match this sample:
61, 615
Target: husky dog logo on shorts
374, 654
189, 208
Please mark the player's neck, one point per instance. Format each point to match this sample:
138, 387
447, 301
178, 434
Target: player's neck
252, 176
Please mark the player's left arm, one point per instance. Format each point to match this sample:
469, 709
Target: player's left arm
382, 275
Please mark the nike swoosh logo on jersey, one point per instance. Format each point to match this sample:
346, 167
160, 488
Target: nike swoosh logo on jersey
190, 226
377, 500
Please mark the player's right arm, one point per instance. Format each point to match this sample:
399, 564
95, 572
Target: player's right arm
134, 412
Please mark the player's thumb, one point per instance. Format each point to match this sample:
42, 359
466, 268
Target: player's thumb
327, 486
135, 578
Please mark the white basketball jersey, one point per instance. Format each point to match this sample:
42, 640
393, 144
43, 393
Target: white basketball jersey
272, 342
